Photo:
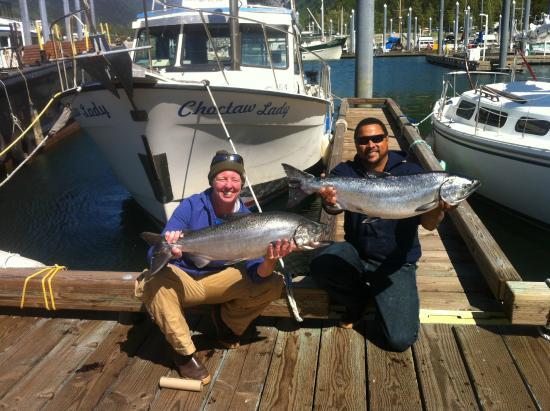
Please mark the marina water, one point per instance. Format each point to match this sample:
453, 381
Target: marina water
66, 207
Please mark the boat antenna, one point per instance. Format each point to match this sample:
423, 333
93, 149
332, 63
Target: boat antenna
531, 71
468, 73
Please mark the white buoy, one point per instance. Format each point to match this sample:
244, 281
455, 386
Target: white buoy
14, 260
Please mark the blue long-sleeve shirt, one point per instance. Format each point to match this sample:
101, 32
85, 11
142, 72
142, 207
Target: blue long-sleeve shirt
196, 212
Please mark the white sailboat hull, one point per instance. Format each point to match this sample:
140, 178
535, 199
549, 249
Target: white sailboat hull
167, 158
329, 53
513, 176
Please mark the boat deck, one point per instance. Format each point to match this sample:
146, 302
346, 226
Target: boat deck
82, 364
88, 360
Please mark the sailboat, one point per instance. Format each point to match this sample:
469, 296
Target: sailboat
316, 45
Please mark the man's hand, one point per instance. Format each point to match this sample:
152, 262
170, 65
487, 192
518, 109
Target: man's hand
171, 237
328, 194
431, 219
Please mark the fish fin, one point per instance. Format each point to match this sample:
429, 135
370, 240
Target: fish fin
161, 255
152, 238
199, 260
295, 179
237, 260
370, 220
377, 174
427, 207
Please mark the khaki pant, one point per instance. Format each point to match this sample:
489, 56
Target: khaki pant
171, 290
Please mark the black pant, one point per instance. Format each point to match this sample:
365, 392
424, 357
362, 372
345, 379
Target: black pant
349, 280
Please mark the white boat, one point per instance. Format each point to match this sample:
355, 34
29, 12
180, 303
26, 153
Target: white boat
327, 49
160, 135
499, 133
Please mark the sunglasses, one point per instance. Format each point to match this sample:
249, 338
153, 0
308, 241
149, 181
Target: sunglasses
218, 158
364, 140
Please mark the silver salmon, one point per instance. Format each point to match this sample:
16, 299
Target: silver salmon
240, 237
383, 195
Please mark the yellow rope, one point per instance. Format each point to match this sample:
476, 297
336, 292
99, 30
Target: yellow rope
58, 268
27, 281
14, 142
48, 277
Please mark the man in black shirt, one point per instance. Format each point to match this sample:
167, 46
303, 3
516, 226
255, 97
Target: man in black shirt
377, 258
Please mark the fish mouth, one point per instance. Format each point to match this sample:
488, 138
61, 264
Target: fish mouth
473, 187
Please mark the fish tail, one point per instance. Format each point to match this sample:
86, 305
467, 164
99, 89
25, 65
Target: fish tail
162, 252
151, 238
297, 180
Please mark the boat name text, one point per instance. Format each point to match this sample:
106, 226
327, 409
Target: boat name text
94, 111
198, 107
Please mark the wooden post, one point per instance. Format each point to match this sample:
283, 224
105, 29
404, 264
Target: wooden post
491, 260
527, 302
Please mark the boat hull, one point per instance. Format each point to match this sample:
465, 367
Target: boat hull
167, 158
512, 176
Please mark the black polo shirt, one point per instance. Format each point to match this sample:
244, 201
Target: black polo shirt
394, 241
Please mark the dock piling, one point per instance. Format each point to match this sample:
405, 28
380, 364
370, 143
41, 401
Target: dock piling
504, 34
440, 29
364, 53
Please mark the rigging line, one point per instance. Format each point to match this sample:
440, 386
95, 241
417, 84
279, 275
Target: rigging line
14, 118
287, 277
207, 85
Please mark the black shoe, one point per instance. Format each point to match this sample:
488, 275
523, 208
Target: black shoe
351, 317
190, 367
225, 336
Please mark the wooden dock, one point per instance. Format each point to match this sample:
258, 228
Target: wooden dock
468, 355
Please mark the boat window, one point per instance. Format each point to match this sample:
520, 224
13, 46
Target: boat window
253, 47
491, 117
465, 109
164, 41
530, 125
197, 48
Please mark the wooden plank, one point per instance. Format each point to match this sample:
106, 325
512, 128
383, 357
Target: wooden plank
12, 329
223, 389
41, 383
341, 372
527, 302
29, 351
458, 301
213, 360
531, 354
89, 382
441, 373
290, 382
491, 368
254, 372
137, 384
392, 381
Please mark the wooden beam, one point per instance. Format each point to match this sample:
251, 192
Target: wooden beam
114, 291
491, 260
527, 302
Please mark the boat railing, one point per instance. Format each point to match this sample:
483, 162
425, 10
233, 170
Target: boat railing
450, 82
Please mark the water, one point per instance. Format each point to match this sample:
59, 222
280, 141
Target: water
66, 207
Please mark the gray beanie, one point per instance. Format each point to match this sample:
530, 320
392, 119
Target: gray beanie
223, 161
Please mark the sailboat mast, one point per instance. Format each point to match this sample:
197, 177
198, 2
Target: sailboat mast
323, 20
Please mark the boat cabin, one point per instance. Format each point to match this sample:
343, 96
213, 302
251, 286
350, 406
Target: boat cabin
187, 42
506, 110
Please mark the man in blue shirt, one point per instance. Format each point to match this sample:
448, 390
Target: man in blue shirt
239, 293
377, 258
